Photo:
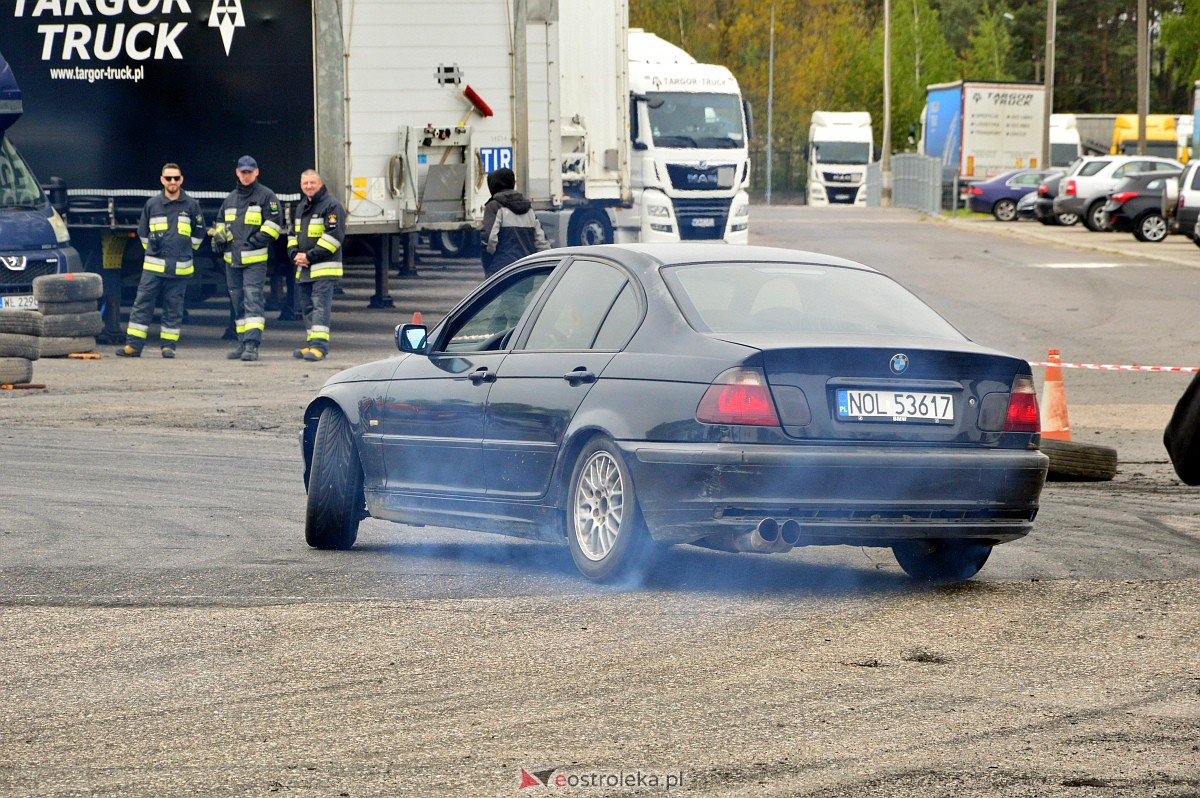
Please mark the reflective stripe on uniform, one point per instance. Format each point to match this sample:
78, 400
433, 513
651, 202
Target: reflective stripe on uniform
229, 258
184, 268
318, 333
272, 229
328, 242
254, 323
240, 326
158, 224
253, 215
196, 242
145, 243
254, 255
169, 335
138, 330
293, 242
315, 229
153, 264
231, 214
326, 268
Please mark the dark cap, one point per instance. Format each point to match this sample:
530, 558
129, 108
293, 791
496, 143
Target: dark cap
247, 164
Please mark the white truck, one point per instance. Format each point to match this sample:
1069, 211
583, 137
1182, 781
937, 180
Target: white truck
690, 163
839, 148
979, 129
1065, 144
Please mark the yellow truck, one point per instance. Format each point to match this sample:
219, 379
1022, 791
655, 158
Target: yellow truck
1161, 138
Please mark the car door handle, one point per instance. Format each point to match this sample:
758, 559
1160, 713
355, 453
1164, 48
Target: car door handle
579, 375
481, 375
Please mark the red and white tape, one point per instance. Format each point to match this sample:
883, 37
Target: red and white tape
1110, 367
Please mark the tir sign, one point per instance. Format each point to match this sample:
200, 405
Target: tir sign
494, 158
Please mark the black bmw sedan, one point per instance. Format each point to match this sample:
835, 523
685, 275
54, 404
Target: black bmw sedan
620, 398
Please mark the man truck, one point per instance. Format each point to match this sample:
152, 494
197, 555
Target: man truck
33, 236
839, 149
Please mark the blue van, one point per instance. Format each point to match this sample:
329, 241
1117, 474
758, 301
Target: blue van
33, 236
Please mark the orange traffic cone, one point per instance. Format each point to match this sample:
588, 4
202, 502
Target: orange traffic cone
416, 317
1055, 423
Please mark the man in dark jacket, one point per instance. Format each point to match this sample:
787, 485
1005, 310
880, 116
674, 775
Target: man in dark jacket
510, 229
249, 223
171, 229
315, 246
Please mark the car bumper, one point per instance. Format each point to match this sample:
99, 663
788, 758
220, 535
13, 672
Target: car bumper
1075, 205
838, 494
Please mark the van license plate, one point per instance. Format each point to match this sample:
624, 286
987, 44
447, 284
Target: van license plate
894, 406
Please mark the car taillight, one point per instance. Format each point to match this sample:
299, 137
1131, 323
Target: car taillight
1022, 413
738, 396
976, 190
1180, 200
1043, 191
1122, 196
1070, 192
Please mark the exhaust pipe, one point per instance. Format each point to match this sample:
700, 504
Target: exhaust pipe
763, 540
789, 536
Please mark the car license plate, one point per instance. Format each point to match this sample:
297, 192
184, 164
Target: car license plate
894, 406
704, 222
19, 302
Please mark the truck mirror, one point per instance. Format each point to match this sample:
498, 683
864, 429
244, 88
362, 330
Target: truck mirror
56, 191
748, 110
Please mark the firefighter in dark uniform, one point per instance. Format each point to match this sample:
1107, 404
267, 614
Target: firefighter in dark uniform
315, 246
171, 230
248, 224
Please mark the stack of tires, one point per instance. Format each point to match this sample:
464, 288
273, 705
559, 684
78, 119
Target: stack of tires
70, 318
20, 336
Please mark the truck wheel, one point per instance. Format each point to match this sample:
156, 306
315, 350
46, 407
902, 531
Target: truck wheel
589, 228
941, 560
335, 485
1004, 210
1079, 462
73, 325
15, 370
71, 287
1151, 227
22, 346
455, 243
1094, 219
21, 322
57, 346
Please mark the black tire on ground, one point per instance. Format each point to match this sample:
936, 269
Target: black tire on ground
1050, 220
1005, 210
1093, 217
605, 529
456, 243
1071, 461
72, 287
22, 346
63, 346
941, 560
65, 308
73, 325
1068, 219
15, 370
335, 485
21, 322
1151, 227
589, 227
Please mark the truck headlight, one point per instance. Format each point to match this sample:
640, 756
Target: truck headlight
742, 212
661, 211
61, 235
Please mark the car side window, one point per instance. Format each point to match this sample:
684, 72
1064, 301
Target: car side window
489, 324
620, 322
1196, 179
577, 305
1089, 168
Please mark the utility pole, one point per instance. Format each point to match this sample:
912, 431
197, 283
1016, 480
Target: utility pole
770, 101
885, 164
1143, 91
521, 93
1051, 25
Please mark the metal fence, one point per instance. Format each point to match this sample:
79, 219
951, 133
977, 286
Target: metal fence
916, 183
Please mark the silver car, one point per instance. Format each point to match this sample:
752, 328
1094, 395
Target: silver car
1084, 189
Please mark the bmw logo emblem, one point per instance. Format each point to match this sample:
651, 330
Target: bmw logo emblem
899, 363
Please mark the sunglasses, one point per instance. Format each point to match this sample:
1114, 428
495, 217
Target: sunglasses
172, 178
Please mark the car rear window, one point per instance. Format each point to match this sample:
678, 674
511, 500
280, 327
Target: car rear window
800, 298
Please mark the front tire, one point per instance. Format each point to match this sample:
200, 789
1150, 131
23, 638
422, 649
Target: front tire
1094, 219
941, 561
335, 485
1068, 219
605, 530
1005, 210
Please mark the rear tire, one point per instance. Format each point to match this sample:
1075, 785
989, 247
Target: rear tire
605, 530
941, 560
588, 228
1151, 227
1005, 210
1093, 218
1068, 219
335, 485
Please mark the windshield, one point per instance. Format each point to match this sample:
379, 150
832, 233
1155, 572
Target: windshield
802, 298
18, 186
842, 152
696, 121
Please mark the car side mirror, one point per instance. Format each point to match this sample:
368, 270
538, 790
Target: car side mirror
412, 338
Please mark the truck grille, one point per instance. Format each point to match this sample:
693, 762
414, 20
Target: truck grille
709, 177
702, 219
841, 194
34, 267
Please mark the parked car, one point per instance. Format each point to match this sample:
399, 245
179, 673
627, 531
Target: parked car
999, 195
1085, 188
615, 398
1181, 201
1135, 205
1044, 205
1027, 206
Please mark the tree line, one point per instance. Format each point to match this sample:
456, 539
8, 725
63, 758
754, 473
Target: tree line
829, 53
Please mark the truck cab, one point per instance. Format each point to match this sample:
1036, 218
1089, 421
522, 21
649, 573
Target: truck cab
690, 164
33, 237
839, 149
